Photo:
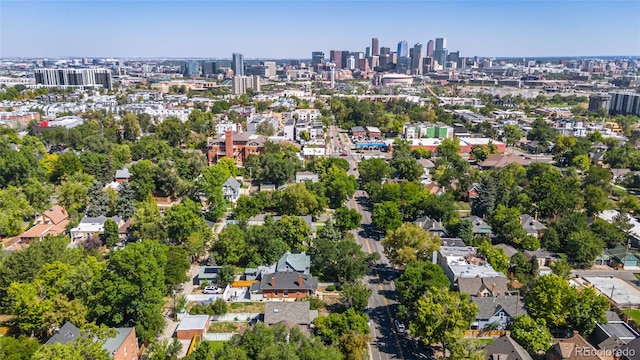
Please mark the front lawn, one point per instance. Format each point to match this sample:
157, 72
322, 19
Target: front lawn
634, 313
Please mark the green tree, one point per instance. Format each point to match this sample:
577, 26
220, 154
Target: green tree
145, 224
584, 246
356, 296
442, 316
418, 277
409, 243
480, 152
172, 130
125, 203
130, 127
38, 194
541, 131
293, 231
66, 164
14, 208
532, 334
420, 153
512, 134
297, 200
373, 170
164, 349
18, 348
339, 186
549, 299
265, 128
347, 219
561, 268
132, 289
98, 200
229, 247
226, 275
505, 223
386, 216
111, 233
184, 219
495, 256
176, 267
143, 178
336, 325
586, 309
595, 200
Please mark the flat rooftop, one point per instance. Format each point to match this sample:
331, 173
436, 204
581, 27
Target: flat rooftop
616, 289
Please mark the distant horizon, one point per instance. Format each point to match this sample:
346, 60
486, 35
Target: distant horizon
292, 29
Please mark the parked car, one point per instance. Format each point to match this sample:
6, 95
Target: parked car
212, 290
399, 326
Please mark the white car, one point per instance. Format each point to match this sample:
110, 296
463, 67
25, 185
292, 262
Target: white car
212, 290
399, 326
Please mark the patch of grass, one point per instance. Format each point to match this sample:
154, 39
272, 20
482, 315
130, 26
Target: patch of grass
216, 345
247, 307
634, 313
227, 327
462, 205
637, 276
483, 342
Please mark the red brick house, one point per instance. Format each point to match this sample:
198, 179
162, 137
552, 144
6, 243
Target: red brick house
236, 146
51, 222
284, 285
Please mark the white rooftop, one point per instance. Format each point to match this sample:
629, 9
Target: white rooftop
616, 289
610, 215
193, 322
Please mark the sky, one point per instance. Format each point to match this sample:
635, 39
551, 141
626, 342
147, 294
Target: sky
295, 28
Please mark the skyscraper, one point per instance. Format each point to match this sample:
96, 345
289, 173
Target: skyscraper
403, 49
416, 59
191, 69
430, 48
335, 56
375, 47
317, 57
440, 53
237, 64
209, 68
367, 52
385, 51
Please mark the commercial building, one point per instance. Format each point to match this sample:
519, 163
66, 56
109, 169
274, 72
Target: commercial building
191, 69
74, 77
240, 84
599, 101
209, 68
625, 103
457, 262
375, 47
237, 64
335, 56
440, 52
403, 49
430, 47
396, 79
427, 130
317, 58
416, 59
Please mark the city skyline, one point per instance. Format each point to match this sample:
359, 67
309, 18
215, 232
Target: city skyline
172, 29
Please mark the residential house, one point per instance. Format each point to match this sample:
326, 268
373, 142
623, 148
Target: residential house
123, 175
483, 286
90, 226
435, 189
498, 161
618, 173
629, 351
505, 348
231, 189
300, 263
284, 285
454, 242
51, 222
427, 165
612, 335
267, 187
122, 346
208, 274
480, 227
432, 226
634, 233
532, 226
302, 176
621, 258
574, 348
544, 257
508, 249
457, 262
192, 326
290, 314
473, 191
499, 310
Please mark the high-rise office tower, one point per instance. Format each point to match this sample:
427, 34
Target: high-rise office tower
440, 52
237, 64
209, 68
191, 69
73, 77
403, 49
385, 51
335, 56
345, 56
430, 45
416, 59
367, 52
375, 47
351, 63
317, 57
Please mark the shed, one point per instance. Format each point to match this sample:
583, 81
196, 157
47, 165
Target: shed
192, 325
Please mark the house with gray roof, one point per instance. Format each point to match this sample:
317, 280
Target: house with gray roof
290, 314
480, 227
302, 176
532, 226
284, 285
498, 309
231, 189
432, 226
67, 333
300, 263
505, 348
483, 286
612, 334
123, 345
123, 175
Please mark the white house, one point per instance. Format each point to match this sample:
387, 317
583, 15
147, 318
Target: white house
90, 226
231, 189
